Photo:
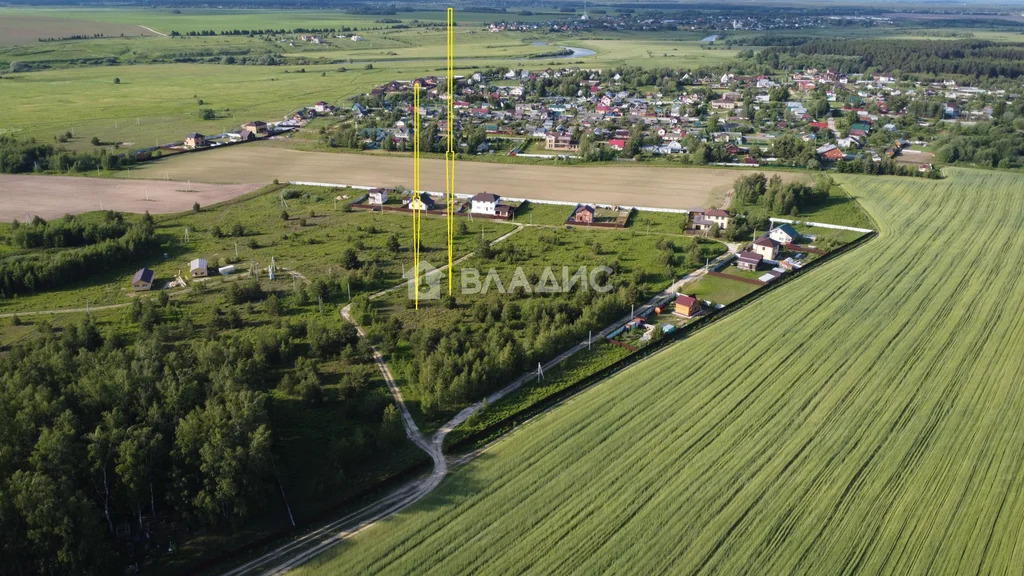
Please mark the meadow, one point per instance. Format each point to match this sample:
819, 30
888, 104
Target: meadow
875, 431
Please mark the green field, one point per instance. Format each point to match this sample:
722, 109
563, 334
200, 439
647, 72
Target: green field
865, 419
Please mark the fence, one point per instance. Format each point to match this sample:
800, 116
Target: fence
822, 225
505, 424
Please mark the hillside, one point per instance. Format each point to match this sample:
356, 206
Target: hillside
865, 418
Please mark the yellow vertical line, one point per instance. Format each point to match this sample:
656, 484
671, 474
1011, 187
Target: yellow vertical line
416, 195
450, 156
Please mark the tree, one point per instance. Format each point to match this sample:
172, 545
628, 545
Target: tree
95, 141
195, 207
391, 426
207, 114
350, 260
393, 245
117, 80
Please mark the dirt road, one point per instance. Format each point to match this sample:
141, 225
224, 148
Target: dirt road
23, 196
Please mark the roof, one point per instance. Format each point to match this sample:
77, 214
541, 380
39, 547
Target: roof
195, 135
583, 208
244, 134
765, 241
717, 213
748, 256
143, 275
686, 300
485, 197
197, 263
788, 230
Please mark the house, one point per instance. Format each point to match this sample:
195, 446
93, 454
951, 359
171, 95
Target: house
323, 108
421, 201
583, 214
720, 217
784, 234
484, 203
560, 142
195, 140
766, 248
257, 127
616, 143
378, 196
143, 280
504, 211
687, 306
198, 268
747, 260
246, 136
829, 152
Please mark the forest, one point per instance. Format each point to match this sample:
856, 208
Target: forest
27, 274
974, 58
19, 155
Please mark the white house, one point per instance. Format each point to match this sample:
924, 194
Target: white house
484, 203
379, 196
198, 268
421, 201
784, 234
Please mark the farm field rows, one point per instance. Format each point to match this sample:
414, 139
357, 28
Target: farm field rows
864, 419
664, 187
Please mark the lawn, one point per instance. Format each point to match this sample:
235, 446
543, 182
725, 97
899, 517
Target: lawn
861, 419
719, 290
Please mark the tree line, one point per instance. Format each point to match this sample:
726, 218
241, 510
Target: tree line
48, 270
19, 155
977, 58
69, 231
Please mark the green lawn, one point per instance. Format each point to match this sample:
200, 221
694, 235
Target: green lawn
872, 432
719, 290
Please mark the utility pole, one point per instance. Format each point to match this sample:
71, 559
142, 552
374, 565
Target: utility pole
590, 340
540, 372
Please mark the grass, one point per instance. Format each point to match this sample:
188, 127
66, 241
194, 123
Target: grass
875, 431
719, 290
313, 249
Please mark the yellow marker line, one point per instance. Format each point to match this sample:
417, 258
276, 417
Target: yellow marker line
450, 153
416, 194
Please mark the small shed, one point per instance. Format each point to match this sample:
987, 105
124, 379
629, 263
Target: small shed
747, 260
199, 268
687, 305
143, 280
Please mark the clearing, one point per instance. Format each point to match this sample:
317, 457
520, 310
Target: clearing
664, 186
865, 418
23, 196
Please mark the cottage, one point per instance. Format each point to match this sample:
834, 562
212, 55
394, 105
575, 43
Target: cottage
421, 201
829, 152
583, 214
784, 234
560, 142
747, 260
143, 280
257, 127
198, 268
378, 196
504, 211
687, 306
195, 140
484, 203
246, 136
616, 143
720, 217
766, 247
